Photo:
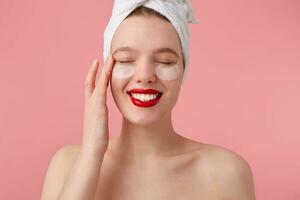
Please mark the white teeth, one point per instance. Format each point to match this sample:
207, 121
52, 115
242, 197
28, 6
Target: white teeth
144, 97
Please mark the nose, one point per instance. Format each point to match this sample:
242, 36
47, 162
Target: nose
145, 72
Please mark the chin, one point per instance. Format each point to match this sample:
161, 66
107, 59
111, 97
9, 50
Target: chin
143, 119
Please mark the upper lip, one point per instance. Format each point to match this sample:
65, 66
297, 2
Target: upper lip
144, 91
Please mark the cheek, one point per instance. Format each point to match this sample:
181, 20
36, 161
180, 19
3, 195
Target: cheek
121, 71
117, 87
167, 72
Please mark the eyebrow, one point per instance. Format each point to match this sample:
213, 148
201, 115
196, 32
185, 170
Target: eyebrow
160, 50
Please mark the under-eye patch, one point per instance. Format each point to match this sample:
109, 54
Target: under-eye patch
123, 70
163, 71
167, 72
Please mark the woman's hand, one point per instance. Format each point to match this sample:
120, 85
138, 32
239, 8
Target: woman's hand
95, 131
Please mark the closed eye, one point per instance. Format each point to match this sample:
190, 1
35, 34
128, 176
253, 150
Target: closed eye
125, 61
164, 63
168, 63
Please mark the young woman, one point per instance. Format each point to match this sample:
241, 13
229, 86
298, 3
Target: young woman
149, 160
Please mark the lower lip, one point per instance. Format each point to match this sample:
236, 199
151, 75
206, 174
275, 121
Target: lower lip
144, 104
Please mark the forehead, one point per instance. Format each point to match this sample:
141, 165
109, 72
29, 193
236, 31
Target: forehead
146, 34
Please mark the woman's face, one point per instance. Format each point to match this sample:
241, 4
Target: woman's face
147, 54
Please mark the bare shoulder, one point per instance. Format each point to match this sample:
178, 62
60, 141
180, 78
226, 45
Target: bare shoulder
70, 151
231, 170
226, 158
66, 156
60, 164
220, 156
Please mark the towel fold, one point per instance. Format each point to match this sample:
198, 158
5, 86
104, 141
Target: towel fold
179, 13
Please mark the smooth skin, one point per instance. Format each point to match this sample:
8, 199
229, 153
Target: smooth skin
76, 178
149, 160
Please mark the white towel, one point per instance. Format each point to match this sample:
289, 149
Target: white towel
179, 12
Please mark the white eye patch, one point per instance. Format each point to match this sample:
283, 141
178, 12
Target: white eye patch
123, 71
167, 72
162, 71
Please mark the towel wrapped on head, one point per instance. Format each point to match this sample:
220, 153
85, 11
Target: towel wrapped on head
178, 12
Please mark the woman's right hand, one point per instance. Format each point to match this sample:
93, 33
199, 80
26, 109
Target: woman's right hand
95, 131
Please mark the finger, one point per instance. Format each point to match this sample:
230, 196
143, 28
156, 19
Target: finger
90, 79
102, 83
103, 80
103, 68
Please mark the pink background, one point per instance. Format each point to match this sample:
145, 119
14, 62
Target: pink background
242, 91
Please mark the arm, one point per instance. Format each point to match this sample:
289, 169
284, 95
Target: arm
83, 170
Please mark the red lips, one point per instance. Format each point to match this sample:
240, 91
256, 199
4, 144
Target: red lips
149, 103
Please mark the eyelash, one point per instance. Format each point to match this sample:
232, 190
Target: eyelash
125, 61
167, 63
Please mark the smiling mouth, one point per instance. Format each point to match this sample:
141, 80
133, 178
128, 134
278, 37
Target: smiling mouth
144, 100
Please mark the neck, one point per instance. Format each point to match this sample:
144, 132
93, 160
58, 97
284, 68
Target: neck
138, 141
